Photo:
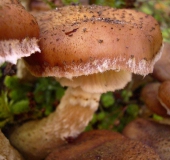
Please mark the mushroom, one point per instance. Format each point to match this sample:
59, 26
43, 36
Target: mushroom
162, 67
149, 95
19, 32
7, 152
152, 134
35, 139
163, 95
39, 5
86, 40
91, 49
102, 144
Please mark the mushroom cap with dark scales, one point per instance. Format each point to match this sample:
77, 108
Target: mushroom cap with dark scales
83, 40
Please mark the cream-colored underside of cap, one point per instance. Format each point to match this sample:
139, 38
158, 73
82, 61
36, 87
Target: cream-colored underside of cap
100, 82
12, 50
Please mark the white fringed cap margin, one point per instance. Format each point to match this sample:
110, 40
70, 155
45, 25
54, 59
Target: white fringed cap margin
82, 40
19, 32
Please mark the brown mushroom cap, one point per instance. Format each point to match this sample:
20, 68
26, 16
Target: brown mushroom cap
152, 134
164, 95
83, 40
149, 95
19, 32
104, 145
162, 67
16, 22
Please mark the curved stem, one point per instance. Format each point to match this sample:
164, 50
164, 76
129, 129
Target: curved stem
36, 139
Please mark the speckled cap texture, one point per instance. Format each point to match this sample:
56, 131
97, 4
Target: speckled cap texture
82, 40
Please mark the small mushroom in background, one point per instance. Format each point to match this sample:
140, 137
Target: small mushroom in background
39, 5
10, 2
7, 152
19, 32
162, 68
92, 50
102, 144
164, 95
152, 134
149, 95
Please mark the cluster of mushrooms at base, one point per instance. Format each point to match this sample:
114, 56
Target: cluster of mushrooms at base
91, 50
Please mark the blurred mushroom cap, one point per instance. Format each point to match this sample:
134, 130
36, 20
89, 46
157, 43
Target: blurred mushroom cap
83, 40
100, 144
152, 134
39, 5
164, 95
149, 95
10, 1
162, 68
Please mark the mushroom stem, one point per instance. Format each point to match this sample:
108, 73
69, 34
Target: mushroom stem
37, 138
